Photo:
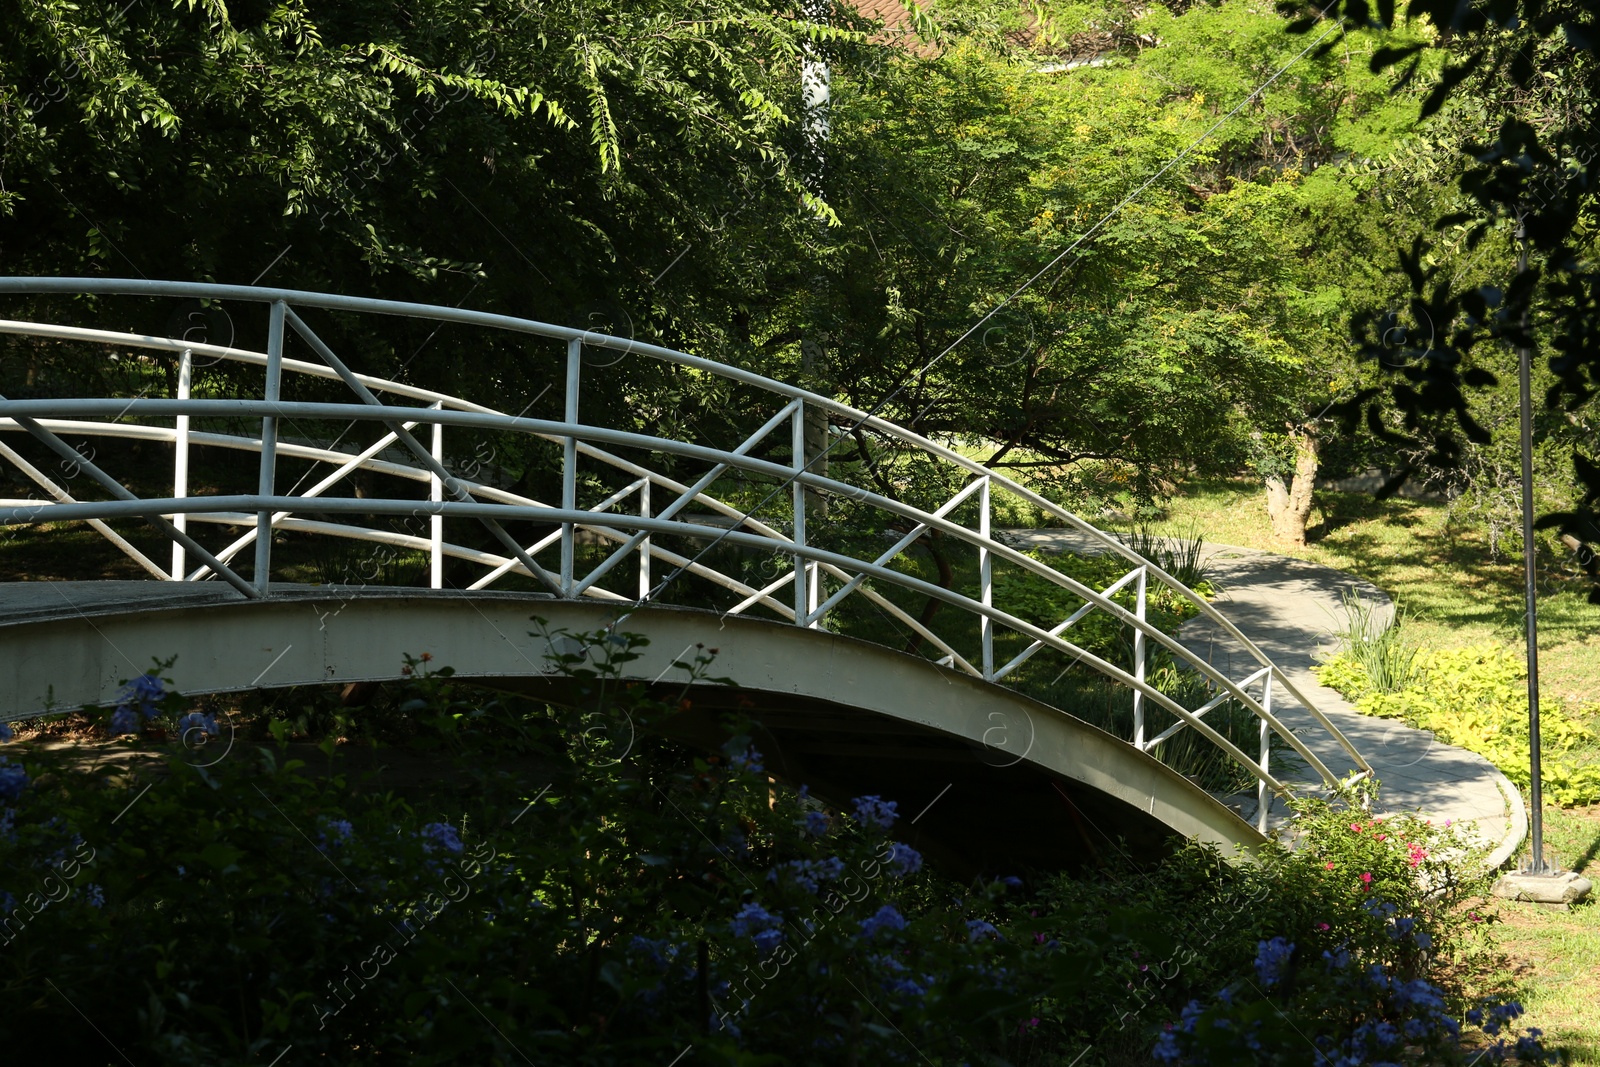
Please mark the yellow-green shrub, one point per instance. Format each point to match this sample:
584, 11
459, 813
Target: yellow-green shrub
1476, 697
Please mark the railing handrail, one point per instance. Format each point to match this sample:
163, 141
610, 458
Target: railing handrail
580, 438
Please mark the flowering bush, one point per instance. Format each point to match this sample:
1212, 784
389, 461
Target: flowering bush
1329, 1010
641, 898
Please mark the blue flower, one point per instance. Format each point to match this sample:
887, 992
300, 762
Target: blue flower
748, 760
1011, 881
758, 924
1190, 1015
1271, 959
904, 860
662, 953
196, 722
124, 721
13, 780
1419, 993
6, 733
816, 823
94, 895
875, 811
978, 930
1530, 1049
809, 874
1167, 1050
1337, 961
1475, 1016
1423, 940
1400, 927
8, 902
439, 835
146, 691
1380, 909
887, 918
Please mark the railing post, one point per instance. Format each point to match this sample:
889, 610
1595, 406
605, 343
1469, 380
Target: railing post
813, 583
1263, 798
797, 438
985, 581
436, 521
644, 546
269, 445
1138, 658
180, 464
569, 463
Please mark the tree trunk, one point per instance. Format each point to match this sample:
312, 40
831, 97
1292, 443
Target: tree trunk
1289, 506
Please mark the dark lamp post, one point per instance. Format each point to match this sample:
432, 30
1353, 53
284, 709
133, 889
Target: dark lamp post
1536, 860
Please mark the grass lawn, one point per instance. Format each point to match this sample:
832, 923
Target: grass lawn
1410, 550
1556, 955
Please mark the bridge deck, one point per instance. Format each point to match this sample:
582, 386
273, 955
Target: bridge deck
1009, 780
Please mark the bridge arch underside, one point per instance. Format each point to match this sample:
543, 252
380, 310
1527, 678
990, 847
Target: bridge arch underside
996, 782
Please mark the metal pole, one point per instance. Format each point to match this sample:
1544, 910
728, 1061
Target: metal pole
436, 521
569, 463
985, 582
1263, 798
180, 464
1536, 860
797, 440
1138, 658
269, 444
644, 545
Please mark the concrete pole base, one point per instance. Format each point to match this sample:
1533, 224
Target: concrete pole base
1560, 890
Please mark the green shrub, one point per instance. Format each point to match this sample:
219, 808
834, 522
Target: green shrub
1477, 697
612, 898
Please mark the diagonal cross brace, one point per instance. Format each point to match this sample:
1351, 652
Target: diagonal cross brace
689, 495
424, 455
43, 481
120, 491
898, 547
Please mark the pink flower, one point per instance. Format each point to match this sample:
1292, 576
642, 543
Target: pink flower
1447, 822
1330, 865
1383, 837
1322, 926
1366, 878
1356, 827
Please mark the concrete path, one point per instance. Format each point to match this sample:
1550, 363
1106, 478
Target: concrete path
1289, 608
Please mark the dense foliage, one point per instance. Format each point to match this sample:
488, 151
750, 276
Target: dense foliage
1525, 72
575, 888
1477, 697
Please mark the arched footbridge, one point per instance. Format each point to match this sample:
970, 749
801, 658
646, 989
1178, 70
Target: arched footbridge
303, 521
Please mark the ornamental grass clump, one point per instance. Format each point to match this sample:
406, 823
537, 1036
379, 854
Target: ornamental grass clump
1476, 697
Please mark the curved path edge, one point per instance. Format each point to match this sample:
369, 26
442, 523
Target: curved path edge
1289, 608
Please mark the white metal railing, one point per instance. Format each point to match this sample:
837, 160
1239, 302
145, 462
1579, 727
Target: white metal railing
635, 534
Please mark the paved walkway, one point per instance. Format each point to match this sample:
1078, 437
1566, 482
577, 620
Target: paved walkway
1289, 608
